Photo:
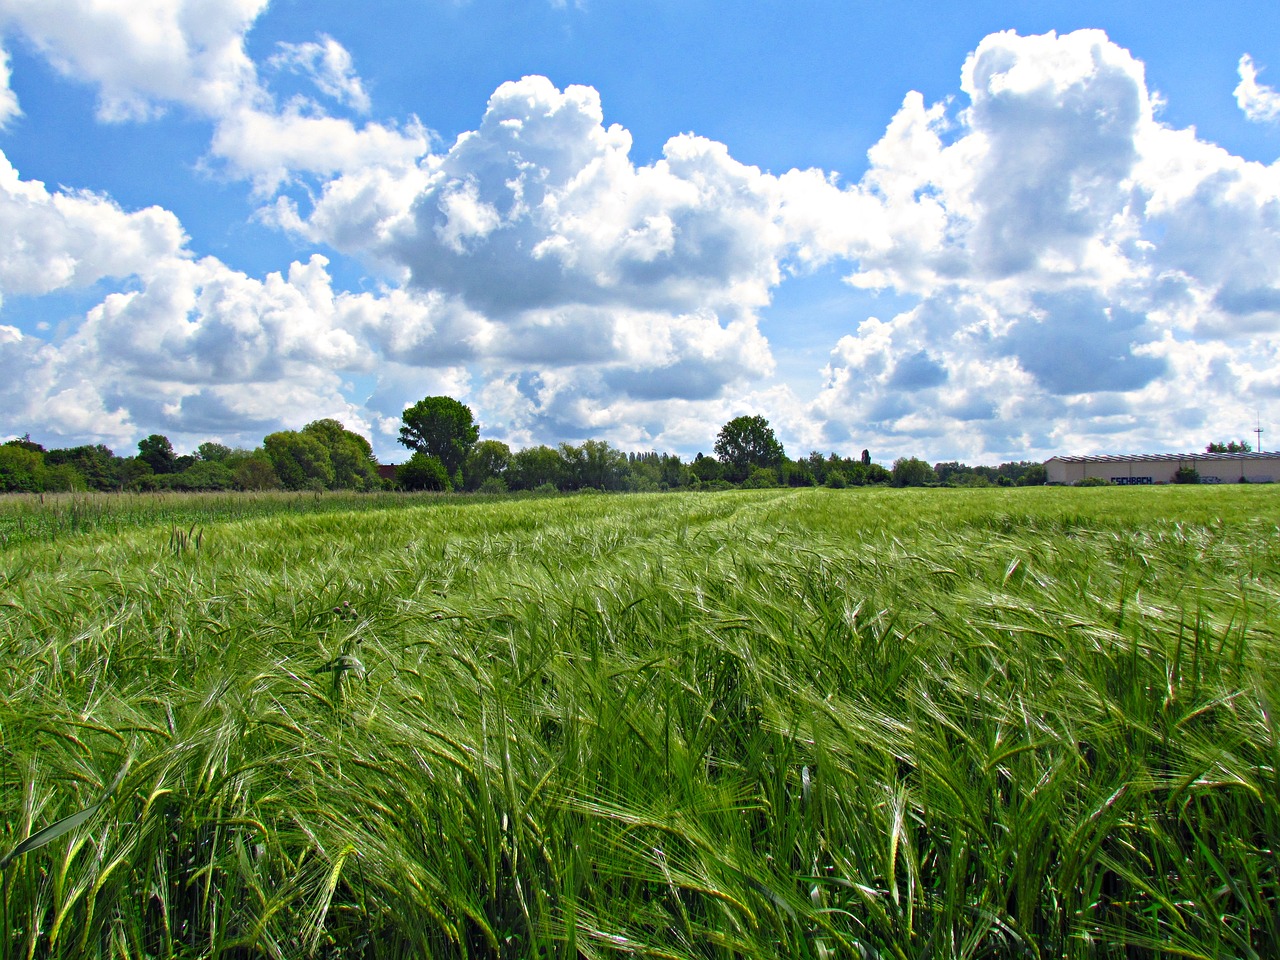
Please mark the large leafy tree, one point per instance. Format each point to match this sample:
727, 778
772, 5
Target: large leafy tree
157, 452
350, 455
489, 459
912, 472
96, 466
746, 442
440, 427
301, 460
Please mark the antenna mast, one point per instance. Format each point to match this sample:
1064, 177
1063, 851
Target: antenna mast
1257, 431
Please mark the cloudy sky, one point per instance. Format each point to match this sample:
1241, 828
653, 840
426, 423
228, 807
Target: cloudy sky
979, 231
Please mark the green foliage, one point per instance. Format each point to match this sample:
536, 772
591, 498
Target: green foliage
912, 472
255, 471
202, 475
350, 456
94, 466
656, 471
1186, 475
488, 460
422, 472
1233, 446
746, 442
1093, 482
157, 452
593, 464
761, 478
300, 460
706, 469
534, 467
440, 427
1034, 476
836, 480
213, 452
21, 470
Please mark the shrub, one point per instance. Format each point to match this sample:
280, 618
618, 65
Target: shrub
422, 472
761, 478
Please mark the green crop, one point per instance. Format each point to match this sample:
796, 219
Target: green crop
820, 723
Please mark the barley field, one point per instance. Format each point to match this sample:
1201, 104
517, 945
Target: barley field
861, 723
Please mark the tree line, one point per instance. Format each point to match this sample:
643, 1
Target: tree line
447, 454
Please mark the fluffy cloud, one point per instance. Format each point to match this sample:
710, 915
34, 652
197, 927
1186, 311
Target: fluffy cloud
330, 68
145, 54
62, 239
1260, 103
271, 148
9, 108
1079, 275
180, 343
1074, 257
541, 207
643, 281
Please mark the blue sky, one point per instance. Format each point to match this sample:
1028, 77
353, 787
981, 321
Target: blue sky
979, 231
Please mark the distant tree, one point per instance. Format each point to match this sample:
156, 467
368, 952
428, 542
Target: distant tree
300, 460
706, 469
761, 478
134, 473
746, 442
657, 471
157, 452
26, 443
63, 478
875, 473
422, 472
911, 472
488, 460
797, 473
440, 427
593, 464
96, 465
1231, 447
203, 475
1187, 474
21, 470
350, 455
836, 480
1034, 476
951, 471
534, 467
253, 471
213, 452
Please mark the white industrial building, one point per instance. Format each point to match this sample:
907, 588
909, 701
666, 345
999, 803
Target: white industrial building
1161, 467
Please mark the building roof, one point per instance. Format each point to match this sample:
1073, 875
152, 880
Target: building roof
1167, 457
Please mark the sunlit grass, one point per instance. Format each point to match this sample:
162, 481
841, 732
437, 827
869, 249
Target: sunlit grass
814, 724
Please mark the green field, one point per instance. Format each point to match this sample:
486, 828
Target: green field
862, 723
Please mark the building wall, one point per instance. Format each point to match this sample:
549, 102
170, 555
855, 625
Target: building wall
1139, 471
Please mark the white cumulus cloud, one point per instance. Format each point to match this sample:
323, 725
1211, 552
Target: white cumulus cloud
1260, 103
1073, 256
329, 65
